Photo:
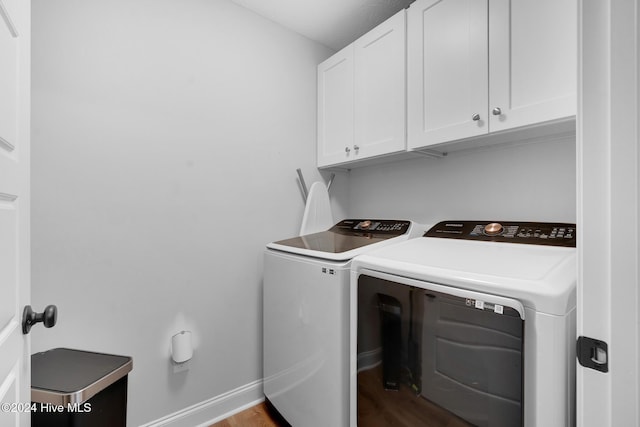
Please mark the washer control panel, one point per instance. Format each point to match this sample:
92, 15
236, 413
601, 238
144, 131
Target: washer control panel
533, 233
373, 226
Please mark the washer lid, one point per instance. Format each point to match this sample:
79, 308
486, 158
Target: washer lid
346, 239
542, 277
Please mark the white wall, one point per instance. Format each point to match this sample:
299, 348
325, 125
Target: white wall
166, 134
518, 182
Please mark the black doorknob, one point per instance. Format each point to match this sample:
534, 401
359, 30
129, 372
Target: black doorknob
48, 317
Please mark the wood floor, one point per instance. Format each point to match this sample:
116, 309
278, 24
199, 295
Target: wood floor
376, 408
256, 416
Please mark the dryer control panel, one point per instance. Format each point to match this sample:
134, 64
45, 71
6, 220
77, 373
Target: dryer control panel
387, 227
533, 233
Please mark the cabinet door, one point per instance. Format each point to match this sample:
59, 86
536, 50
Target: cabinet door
379, 107
335, 108
532, 57
447, 70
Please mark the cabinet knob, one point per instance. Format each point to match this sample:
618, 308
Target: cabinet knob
347, 149
496, 111
355, 147
475, 117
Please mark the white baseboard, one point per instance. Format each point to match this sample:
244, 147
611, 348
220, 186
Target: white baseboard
217, 408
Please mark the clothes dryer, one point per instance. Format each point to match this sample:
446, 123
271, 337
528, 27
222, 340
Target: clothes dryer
472, 324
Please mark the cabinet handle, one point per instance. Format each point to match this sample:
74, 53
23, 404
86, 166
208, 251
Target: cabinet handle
496, 111
347, 149
475, 117
355, 147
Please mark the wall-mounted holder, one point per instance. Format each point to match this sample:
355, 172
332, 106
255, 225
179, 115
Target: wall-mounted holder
181, 347
305, 190
303, 184
431, 153
333, 175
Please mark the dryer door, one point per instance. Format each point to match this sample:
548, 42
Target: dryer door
429, 352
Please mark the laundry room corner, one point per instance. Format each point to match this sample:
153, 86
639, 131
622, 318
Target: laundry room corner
166, 136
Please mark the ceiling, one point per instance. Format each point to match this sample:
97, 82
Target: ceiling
334, 23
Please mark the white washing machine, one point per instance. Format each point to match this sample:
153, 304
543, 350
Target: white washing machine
472, 324
306, 317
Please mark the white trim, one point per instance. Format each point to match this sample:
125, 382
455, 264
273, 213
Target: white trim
551, 131
9, 380
217, 408
4, 143
7, 19
5, 197
232, 412
607, 210
7, 331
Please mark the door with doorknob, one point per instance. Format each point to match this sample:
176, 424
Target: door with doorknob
15, 389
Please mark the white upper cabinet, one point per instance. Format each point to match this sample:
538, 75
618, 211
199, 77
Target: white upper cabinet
335, 108
361, 97
448, 70
481, 66
380, 89
533, 61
